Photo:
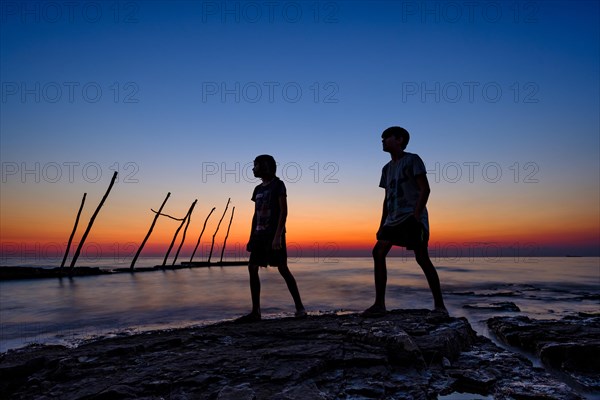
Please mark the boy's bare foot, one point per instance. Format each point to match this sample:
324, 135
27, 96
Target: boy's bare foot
300, 313
252, 317
374, 311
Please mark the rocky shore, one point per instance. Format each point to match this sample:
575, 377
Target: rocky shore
408, 354
570, 346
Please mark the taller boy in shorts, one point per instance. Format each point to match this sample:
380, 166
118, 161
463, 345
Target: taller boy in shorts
267, 238
404, 220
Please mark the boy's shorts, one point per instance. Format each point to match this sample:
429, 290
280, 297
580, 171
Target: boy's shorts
263, 254
410, 233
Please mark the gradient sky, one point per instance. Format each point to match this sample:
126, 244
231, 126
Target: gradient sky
501, 99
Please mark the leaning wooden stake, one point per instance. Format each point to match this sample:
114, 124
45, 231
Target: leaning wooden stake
200, 237
149, 231
227, 234
62, 264
177, 231
213, 238
189, 219
89, 227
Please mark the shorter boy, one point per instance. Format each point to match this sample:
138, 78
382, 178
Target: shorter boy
267, 238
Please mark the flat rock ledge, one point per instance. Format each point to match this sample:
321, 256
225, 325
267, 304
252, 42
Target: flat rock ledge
570, 346
408, 354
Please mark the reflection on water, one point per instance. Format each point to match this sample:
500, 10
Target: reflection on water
67, 310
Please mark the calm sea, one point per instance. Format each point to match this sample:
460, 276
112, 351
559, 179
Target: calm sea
68, 311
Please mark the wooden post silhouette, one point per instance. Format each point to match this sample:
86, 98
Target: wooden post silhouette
189, 219
62, 264
149, 231
89, 227
177, 232
200, 237
218, 225
227, 234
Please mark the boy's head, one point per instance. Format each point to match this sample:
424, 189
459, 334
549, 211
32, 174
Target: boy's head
264, 166
399, 133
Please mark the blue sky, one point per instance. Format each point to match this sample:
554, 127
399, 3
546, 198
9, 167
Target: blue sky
509, 86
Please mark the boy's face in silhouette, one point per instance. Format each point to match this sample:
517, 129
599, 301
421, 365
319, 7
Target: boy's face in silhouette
260, 170
391, 144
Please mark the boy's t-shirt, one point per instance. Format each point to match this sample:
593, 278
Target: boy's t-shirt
266, 208
402, 191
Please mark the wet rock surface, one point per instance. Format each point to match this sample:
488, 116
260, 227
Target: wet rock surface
498, 306
408, 354
570, 345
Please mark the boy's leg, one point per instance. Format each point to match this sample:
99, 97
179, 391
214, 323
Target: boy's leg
254, 289
422, 258
292, 286
380, 251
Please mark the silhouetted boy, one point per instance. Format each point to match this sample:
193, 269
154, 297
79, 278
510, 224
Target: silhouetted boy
404, 220
267, 238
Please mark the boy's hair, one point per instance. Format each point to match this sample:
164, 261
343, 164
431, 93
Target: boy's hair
267, 161
398, 133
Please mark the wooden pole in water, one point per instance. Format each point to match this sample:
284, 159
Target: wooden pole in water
177, 232
213, 238
189, 219
227, 234
89, 227
149, 231
200, 237
62, 264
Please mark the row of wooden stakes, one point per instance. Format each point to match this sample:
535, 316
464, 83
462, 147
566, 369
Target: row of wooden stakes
184, 221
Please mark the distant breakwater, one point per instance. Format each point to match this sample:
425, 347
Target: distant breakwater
20, 272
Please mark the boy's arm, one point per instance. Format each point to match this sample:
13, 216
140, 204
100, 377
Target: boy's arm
281, 222
253, 227
248, 247
384, 211
424, 190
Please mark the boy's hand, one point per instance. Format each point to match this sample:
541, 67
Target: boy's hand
277, 242
417, 215
248, 248
378, 231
